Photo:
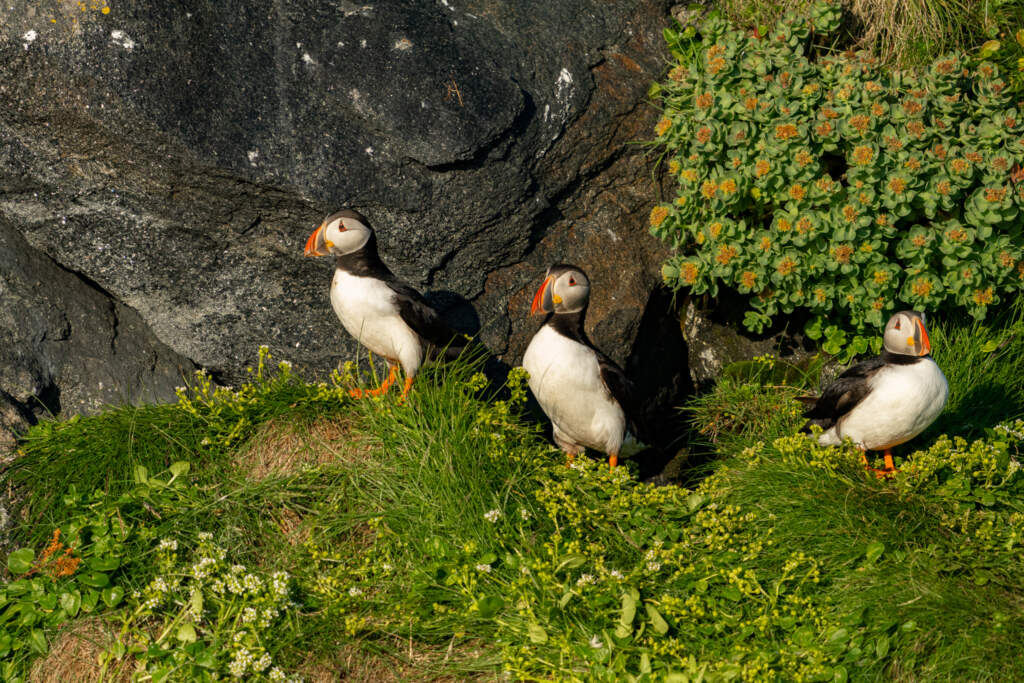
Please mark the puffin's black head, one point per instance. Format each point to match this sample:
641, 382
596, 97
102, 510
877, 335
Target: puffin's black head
905, 334
566, 289
344, 232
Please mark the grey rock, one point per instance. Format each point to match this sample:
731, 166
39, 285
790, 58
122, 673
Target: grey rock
171, 158
715, 339
64, 345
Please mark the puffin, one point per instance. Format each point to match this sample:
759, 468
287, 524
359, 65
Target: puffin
383, 313
884, 401
583, 392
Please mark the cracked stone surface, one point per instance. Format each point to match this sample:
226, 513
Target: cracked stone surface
65, 345
162, 164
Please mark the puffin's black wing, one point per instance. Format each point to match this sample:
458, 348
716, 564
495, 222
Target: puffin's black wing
621, 389
841, 396
423, 319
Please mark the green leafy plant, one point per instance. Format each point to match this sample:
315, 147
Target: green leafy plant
78, 572
443, 537
814, 180
202, 618
903, 33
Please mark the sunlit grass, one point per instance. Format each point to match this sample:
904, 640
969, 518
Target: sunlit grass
444, 537
901, 32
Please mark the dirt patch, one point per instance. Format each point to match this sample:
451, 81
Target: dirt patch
420, 663
281, 447
74, 655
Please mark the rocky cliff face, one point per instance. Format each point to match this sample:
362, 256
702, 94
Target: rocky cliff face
161, 165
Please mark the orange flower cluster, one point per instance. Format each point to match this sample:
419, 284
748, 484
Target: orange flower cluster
843, 253
995, 194
689, 272
897, 185
863, 155
658, 216
921, 287
65, 563
726, 253
786, 131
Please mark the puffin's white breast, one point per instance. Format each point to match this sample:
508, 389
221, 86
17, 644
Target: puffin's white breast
566, 379
368, 310
903, 401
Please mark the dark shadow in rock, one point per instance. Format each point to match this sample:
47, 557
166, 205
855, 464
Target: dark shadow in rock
455, 309
658, 366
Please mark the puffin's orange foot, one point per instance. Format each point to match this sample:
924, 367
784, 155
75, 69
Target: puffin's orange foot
889, 469
363, 393
613, 460
382, 389
405, 389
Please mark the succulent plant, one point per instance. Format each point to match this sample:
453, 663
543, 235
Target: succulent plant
814, 179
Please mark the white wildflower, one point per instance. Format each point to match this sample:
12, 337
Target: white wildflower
234, 585
355, 591
616, 574
492, 516
203, 568
252, 583
262, 663
485, 568
279, 584
585, 579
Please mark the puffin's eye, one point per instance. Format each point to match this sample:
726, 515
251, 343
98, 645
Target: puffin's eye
572, 281
896, 326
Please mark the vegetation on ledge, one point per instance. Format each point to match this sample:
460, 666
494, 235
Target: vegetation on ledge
813, 179
285, 531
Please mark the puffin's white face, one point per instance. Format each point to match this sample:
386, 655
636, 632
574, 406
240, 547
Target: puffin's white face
906, 335
343, 232
566, 289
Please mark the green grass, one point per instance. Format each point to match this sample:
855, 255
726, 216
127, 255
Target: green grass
444, 537
982, 361
905, 32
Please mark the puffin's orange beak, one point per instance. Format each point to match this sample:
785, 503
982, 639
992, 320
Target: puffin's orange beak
926, 344
542, 297
315, 245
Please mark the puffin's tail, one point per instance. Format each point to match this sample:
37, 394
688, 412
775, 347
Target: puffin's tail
811, 403
631, 446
